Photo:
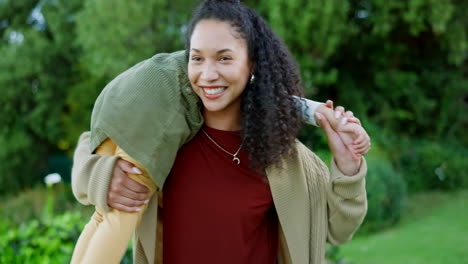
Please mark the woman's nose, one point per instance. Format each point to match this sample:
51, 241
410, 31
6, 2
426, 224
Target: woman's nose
209, 73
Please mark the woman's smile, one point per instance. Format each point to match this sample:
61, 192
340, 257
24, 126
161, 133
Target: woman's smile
213, 92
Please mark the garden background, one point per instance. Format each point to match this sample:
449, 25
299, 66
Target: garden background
401, 66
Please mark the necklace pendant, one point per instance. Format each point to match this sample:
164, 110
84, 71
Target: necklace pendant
236, 159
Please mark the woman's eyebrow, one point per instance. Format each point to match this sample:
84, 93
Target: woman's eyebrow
219, 51
223, 50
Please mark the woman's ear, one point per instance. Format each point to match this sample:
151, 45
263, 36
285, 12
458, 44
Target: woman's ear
251, 67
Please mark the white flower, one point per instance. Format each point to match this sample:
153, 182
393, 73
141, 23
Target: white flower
52, 178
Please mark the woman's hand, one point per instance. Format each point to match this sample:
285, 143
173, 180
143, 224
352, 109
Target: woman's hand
124, 193
347, 140
356, 140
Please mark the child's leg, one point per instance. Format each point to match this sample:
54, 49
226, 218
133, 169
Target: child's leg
85, 237
105, 238
110, 239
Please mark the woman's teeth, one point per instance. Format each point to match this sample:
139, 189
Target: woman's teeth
214, 91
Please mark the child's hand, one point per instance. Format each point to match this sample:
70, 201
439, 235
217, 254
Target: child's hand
354, 137
340, 112
349, 129
346, 160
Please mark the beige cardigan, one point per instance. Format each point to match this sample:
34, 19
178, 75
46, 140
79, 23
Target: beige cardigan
313, 207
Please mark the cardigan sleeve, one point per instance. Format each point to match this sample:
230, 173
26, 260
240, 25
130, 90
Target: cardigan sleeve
347, 203
91, 174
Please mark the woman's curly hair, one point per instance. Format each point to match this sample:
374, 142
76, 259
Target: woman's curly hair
270, 118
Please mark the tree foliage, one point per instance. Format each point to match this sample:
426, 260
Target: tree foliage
35, 70
399, 63
115, 35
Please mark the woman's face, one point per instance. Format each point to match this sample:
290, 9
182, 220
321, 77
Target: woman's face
218, 67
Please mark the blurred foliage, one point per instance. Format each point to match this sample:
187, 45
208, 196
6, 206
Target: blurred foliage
29, 234
399, 64
132, 31
29, 204
35, 70
40, 241
429, 165
44, 240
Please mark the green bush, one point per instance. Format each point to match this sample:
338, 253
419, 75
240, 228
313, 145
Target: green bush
40, 241
386, 193
30, 234
431, 165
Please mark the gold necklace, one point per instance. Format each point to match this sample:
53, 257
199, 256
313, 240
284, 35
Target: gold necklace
235, 158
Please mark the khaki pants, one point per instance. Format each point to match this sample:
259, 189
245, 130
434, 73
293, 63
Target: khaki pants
106, 236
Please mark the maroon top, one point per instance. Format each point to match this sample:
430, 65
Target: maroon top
216, 211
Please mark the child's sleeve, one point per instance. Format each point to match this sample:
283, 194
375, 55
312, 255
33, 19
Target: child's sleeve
308, 108
142, 178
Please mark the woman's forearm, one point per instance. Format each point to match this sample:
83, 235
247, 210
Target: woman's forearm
91, 174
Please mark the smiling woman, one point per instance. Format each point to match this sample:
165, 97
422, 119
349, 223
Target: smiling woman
218, 69
237, 185
237, 46
220, 210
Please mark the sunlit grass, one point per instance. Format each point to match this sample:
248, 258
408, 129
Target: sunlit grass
433, 230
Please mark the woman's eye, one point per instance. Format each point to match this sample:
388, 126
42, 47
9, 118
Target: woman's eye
225, 58
196, 58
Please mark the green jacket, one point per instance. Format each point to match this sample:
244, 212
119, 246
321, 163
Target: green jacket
149, 111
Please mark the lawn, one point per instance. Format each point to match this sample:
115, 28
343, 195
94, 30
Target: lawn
434, 229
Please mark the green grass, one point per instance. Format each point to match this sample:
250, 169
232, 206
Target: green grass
434, 229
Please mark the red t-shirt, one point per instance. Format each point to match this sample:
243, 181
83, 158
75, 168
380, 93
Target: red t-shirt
216, 211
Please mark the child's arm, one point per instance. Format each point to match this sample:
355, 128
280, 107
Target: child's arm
308, 109
354, 136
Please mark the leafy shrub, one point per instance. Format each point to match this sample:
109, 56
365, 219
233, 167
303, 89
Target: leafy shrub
29, 235
43, 240
386, 193
431, 165
40, 241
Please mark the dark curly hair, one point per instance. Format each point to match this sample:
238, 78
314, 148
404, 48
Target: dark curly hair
270, 119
